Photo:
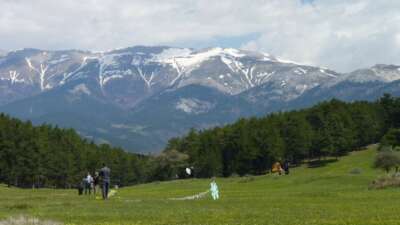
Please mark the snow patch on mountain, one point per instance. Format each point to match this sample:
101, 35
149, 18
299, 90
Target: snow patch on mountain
195, 59
113, 77
29, 63
147, 80
389, 73
300, 71
377, 73
80, 89
42, 74
109, 59
169, 54
14, 77
41, 71
194, 106
77, 72
184, 60
289, 61
60, 60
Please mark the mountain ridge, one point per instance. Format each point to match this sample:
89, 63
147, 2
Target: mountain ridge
179, 87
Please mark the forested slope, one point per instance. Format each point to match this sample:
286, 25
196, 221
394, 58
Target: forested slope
250, 146
49, 156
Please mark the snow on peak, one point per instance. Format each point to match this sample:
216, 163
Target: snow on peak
184, 59
233, 52
378, 73
170, 53
289, 62
61, 59
388, 73
196, 58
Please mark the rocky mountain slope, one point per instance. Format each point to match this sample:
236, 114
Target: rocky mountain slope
141, 96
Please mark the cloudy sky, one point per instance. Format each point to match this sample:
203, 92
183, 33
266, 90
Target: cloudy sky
338, 34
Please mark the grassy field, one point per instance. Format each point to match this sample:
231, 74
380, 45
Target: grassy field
335, 193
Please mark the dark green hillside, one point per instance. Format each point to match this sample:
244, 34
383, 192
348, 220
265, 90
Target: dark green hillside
46, 156
250, 146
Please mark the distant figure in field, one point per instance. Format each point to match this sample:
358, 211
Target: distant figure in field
81, 186
188, 171
286, 167
105, 175
277, 168
214, 189
88, 184
96, 182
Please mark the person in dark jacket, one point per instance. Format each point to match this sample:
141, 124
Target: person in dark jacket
105, 175
81, 186
286, 167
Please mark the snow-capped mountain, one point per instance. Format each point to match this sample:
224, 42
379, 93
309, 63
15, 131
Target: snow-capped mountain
363, 84
378, 73
127, 76
28, 72
138, 97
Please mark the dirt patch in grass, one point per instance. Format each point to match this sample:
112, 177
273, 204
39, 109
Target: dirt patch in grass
22, 220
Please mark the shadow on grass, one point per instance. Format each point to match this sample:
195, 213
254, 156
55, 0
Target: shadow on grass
19, 206
320, 163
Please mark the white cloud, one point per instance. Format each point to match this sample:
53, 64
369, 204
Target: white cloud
339, 34
343, 35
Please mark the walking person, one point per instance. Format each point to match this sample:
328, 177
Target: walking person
105, 175
96, 182
88, 184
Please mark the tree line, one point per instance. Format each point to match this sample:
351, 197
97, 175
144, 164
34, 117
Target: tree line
251, 146
48, 156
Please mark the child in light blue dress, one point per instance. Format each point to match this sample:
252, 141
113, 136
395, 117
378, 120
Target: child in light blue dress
214, 189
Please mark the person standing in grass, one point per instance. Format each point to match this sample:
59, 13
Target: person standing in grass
96, 182
81, 186
214, 189
277, 168
105, 175
88, 184
286, 167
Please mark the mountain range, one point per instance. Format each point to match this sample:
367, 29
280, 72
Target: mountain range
141, 96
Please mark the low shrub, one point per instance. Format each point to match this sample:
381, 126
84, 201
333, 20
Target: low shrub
355, 171
386, 182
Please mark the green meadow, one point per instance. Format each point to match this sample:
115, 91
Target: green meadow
335, 192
